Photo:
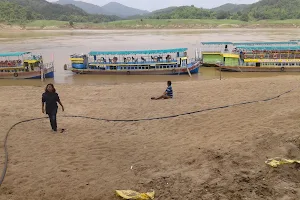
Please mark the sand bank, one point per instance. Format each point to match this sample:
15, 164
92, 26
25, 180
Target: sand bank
218, 154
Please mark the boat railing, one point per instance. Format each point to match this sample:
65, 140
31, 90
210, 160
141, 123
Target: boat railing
262, 55
98, 62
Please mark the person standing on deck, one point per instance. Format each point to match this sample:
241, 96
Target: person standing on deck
168, 94
50, 98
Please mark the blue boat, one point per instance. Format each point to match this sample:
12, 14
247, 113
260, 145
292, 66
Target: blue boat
24, 65
142, 62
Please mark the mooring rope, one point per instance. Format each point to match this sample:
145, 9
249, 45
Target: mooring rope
128, 120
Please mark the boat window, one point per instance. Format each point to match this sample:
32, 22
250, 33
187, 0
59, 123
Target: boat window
135, 67
121, 67
143, 67
139, 67
132, 67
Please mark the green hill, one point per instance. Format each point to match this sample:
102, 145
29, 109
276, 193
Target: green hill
182, 12
22, 10
230, 7
275, 9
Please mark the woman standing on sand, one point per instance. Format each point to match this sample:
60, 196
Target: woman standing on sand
50, 97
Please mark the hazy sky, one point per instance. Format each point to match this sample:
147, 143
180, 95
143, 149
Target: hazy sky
157, 4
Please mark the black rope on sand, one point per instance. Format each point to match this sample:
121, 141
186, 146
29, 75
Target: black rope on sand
127, 120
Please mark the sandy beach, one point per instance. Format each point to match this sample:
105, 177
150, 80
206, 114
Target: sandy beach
217, 154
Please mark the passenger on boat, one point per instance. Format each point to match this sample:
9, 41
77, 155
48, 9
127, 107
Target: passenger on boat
115, 59
50, 98
168, 94
143, 59
125, 59
226, 48
168, 58
109, 60
159, 58
103, 59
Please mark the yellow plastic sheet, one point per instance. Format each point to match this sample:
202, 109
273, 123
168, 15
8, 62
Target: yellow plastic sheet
129, 194
274, 162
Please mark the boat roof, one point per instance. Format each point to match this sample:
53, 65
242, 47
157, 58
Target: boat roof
13, 54
215, 43
95, 53
269, 48
264, 43
291, 42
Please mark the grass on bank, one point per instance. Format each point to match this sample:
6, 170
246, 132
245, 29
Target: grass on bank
159, 23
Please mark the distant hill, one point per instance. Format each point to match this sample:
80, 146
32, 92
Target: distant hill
112, 8
123, 11
229, 7
42, 9
87, 7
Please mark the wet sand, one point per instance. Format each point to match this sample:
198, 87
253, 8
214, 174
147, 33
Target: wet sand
217, 154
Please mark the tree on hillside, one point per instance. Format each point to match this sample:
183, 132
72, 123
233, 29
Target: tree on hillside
223, 15
244, 17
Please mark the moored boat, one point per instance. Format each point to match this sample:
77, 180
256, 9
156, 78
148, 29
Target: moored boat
24, 65
212, 53
262, 59
143, 62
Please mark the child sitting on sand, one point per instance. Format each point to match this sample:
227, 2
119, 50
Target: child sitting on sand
168, 94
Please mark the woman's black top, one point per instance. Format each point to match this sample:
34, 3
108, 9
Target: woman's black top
50, 98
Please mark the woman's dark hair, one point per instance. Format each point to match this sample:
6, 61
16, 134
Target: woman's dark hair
169, 83
54, 90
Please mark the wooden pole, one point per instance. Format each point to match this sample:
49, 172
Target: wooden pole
188, 70
220, 69
42, 72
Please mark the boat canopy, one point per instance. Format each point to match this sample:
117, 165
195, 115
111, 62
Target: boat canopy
8, 54
95, 53
264, 43
269, 48
216, 43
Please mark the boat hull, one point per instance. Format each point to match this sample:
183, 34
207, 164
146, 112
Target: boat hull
193, 67
259, 69
48, 73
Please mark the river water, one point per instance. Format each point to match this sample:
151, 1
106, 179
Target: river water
60, 44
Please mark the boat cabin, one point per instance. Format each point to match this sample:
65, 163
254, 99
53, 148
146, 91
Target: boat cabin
131, 60
19, 61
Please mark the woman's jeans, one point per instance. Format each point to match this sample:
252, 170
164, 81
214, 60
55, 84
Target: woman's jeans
52, 117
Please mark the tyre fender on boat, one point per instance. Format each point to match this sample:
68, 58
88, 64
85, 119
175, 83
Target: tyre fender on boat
128, 72
16, 74
275, 56
282, 69
173, 71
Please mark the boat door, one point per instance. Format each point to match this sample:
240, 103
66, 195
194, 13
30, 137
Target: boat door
183, 62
